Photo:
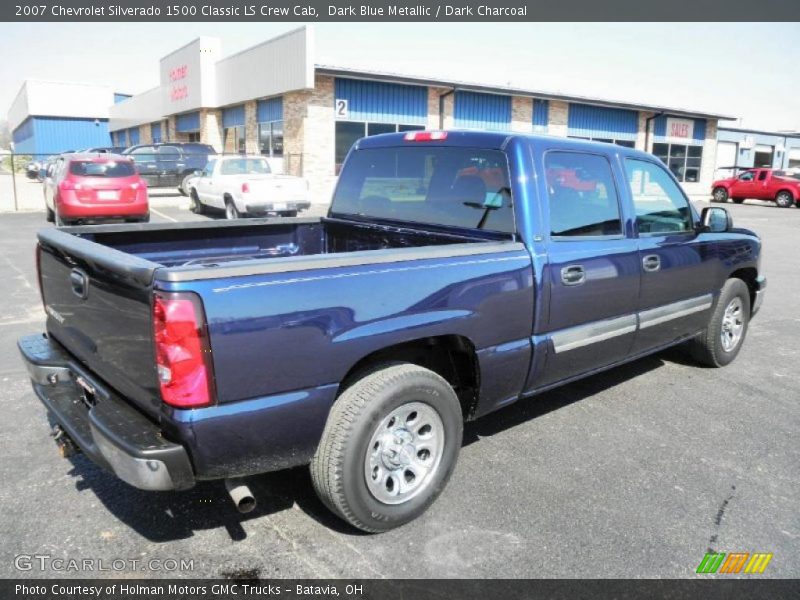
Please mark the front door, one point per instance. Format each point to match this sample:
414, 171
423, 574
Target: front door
592, 269
145, 160
744, 185
678, 267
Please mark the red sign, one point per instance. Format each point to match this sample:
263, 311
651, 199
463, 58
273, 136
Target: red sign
680, 129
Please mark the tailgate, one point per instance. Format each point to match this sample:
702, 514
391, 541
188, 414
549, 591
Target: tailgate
98, 305
278, 188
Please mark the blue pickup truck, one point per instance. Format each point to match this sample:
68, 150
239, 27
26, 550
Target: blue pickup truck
455, 273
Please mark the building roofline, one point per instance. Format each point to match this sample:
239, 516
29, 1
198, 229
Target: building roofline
265, 42
495, 89
791, 134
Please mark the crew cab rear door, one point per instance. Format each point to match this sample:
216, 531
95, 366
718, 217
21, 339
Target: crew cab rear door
592, 268
678, 265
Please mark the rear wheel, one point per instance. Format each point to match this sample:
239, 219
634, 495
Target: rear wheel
196, 206
389, 446
289, 213
720, 194
51, 216
784, 199
721, 341
231, 212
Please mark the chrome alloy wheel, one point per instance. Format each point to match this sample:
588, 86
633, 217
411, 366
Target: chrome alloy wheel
404, 453
732, 325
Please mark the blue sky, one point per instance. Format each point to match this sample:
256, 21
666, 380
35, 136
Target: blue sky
742, 69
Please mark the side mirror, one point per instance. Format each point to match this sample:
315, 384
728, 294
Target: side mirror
716, 220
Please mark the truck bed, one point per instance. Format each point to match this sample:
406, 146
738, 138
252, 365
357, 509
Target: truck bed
206, 244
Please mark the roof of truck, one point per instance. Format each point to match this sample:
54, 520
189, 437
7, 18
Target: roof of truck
489, 139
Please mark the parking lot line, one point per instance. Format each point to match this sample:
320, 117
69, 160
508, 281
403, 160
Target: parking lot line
160, 214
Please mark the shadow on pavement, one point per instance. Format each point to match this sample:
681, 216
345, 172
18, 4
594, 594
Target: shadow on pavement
167, 516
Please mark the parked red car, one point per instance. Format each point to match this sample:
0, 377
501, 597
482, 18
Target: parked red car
95, 187
759, 184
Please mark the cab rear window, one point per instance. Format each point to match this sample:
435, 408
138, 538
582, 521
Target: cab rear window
93, 168
458, 187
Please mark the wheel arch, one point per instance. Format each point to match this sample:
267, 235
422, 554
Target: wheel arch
453, 357
749, 275
788, 190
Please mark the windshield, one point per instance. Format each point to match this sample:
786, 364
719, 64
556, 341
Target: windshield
244, 166
461, 187
93, 168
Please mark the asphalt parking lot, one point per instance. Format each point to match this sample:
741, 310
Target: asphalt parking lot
637, 472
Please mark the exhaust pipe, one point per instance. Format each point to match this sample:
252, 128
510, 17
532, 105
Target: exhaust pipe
241, 495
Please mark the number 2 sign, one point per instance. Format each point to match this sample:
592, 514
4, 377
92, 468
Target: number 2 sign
341, 108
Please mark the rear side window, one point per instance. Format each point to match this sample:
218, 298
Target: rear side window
583, 197
762, 175
92, 168
459, 187
660, 205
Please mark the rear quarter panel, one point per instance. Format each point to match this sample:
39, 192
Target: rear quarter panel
291, 331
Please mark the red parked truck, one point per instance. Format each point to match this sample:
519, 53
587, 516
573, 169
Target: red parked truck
759, 184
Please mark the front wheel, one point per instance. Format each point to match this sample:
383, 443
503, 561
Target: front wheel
720, 194
721, 341
390, 444
784, 199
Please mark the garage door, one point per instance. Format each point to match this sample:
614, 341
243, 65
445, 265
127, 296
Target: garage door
726, 158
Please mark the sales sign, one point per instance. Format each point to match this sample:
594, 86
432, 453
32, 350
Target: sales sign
679, 130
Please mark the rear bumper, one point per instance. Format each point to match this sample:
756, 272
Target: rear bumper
761, 285
109, 431
73, 209
268, 207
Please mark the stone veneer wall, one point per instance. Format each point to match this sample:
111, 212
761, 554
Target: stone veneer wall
251, 127
521, 114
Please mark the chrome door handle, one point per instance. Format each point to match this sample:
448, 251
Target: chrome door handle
651, 262
573, 275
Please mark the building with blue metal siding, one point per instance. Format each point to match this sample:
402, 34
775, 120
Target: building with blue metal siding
49, 117
748, 148
274, 99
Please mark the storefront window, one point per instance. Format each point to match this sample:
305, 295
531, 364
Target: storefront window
270, 138
193, 136
234, 140
348, 132
683, 161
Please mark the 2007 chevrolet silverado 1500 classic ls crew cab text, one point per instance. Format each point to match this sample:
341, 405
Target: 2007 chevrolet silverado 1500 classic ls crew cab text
455, 273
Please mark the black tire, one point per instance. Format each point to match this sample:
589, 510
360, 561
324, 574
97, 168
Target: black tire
51, 216
720, 194
738, 200
784, 199
338, 467
231, 212
289, 213
183, 186
196, 206
708, 347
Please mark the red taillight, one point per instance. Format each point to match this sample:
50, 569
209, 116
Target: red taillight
245, 188
69, 185
183, 355
425, 136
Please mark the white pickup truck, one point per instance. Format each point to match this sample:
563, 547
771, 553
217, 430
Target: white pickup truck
245, 186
